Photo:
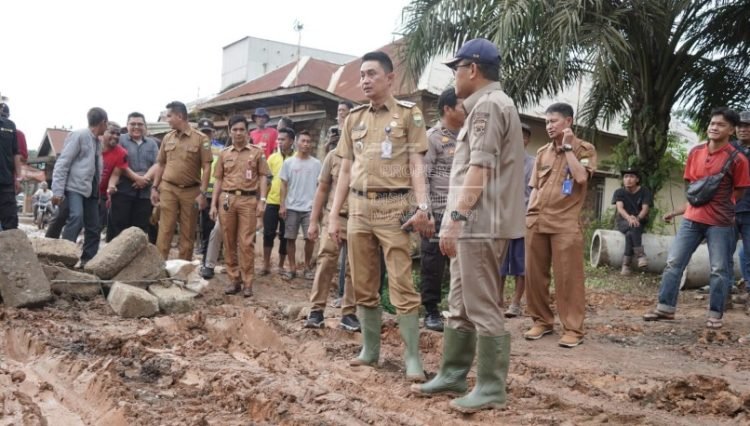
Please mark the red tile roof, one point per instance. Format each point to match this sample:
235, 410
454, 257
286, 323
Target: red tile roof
57, 139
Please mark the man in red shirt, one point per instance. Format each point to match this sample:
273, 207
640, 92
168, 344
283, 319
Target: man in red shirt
23, 150
263, 137
113, 156
713, 221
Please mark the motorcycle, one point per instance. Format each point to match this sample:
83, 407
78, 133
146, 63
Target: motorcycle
43, 214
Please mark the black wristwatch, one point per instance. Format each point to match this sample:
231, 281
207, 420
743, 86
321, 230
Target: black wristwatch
567, 147
456, 216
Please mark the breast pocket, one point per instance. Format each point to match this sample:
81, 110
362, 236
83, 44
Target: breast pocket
229, 165
542, 176
398, 138
170, 149
190, 152
358, 140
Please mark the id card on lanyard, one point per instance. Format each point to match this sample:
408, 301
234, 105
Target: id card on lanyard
567, 185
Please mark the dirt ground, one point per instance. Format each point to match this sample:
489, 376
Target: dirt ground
234, 361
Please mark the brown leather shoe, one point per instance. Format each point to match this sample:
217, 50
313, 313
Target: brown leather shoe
537, 332
233, 288
247, 292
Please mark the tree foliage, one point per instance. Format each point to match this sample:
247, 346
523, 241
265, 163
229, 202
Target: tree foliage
643, 57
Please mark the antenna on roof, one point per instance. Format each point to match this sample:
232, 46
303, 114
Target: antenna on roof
298, 26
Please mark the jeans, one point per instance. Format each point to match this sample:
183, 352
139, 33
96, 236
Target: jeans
743, 231
84, 213
687, 240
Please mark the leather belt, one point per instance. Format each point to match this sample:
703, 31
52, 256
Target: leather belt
344, 215
192, 185
376, 195
238, 192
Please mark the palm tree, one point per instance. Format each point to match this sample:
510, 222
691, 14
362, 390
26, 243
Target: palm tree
643, 57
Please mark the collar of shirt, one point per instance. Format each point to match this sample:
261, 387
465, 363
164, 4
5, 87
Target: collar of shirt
471, 101
137, 142
444, 130
389, 104
234, 147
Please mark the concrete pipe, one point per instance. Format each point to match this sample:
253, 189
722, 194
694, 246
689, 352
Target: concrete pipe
608, 246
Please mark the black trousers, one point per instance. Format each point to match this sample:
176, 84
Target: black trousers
8, 209
207, 225
633, 237
432, 268
56, 225
271, 223
127, 211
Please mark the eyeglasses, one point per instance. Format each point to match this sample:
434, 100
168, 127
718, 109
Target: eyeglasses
457, 66
136, 124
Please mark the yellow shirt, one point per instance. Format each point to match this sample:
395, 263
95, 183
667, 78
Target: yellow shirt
275, 161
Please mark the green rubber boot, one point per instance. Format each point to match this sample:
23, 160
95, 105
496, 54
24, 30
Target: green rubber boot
458, 354
493, 357
408, 325
370, 319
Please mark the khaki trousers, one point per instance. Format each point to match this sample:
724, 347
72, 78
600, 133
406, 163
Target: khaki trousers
474, 301
238, 229
327, 265
177, 203
564, 253
372, 224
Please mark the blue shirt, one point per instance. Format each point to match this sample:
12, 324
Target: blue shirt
743, 204
140, 158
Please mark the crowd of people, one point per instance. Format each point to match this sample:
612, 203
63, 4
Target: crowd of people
467, 186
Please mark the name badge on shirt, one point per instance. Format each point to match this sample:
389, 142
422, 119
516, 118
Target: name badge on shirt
386, 147
248, 174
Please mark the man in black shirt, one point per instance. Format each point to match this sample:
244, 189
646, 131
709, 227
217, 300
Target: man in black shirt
10, 174
632, 202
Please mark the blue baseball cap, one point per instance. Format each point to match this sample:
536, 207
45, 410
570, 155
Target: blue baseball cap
260, 112
476, 50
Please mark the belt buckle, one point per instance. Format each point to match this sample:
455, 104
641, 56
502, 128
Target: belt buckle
238, 193
372, 195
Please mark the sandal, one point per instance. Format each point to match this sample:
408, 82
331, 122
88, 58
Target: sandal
309, 275
714, 323
288, 275
656, 315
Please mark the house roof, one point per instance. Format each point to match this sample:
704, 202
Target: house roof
313, 72
55, 139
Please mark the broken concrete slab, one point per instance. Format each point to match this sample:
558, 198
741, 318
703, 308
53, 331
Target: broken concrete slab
132, 302
56, 251
146, 266
118, 253
76, 285
173, 299
22, 282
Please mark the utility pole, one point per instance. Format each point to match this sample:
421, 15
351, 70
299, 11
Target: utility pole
298, 27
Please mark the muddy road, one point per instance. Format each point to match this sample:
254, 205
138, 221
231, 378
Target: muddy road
233, 361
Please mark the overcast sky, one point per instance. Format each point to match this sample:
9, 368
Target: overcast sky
62, 57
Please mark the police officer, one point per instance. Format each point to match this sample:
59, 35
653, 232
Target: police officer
438, 162
10, 174
240, 172
180, 181
553, 230
382, 146
486, 208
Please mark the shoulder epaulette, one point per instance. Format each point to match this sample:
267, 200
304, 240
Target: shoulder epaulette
406, 104
359, 107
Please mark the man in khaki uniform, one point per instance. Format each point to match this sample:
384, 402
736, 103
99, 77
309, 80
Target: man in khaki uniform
553, 230
486, 208
329, 251
241, 170
180, 181
382, 162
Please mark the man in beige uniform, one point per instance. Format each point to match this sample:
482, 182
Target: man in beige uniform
329, 251
182, 171
553, 228
381, 149
240, 171
486, 208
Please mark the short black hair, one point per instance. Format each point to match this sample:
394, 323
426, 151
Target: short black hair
304, 133
566, 110
289, 132
287, 123
96, 116
347, 104
489, 71
447, 99
239, 118
729, 114
136, 114
382, 58
179, 108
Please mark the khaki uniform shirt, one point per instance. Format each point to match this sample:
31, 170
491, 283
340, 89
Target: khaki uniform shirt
438, 162
361, 141
183, 155
551, 210
491, 137
329, 174
241, 169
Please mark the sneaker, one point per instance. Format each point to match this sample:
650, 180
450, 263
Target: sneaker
537, 332
350, 322
569, 341
433, 321
206, 272
513, 311
336, 302
315, 320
